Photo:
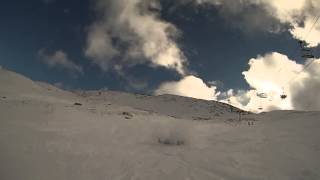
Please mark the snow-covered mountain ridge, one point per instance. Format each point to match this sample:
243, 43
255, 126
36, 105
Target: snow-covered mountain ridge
48, 133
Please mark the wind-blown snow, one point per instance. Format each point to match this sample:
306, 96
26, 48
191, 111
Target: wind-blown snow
113, 135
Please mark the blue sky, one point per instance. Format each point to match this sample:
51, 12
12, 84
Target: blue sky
216, 50
216, 41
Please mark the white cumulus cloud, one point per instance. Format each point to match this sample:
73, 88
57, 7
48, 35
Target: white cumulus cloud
59, 59
269, 77
189, 86
131, 32
99, 46
310, 32
275, 74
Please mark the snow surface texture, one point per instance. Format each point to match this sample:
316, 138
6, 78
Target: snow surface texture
47, 133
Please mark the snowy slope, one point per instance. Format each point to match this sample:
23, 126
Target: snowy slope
170, 105
16, 86
43, 135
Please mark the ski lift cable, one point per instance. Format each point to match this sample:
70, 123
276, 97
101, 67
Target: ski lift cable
314, 24
305, 37
306, 66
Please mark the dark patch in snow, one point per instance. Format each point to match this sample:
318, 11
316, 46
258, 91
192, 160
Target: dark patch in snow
201, 119
127, 115
170, 142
